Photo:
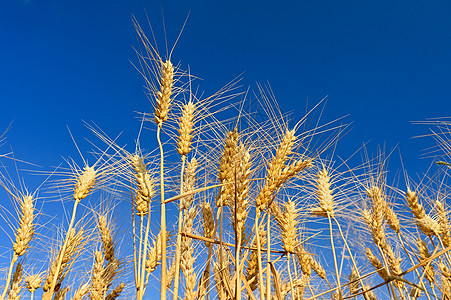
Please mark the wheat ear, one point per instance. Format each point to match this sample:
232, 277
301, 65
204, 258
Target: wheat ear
144, 185
154, 256
324, 194
23, 235
424, 222
81, 292
186, 128
16, 287
424, 254
61, 294
165, 93
444, 224
226, 168
107, 238
381, 270
33, 282
115, 292
98, 287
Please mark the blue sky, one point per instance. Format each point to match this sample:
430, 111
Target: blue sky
382, 63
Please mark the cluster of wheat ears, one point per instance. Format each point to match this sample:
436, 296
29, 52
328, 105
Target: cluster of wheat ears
247, 207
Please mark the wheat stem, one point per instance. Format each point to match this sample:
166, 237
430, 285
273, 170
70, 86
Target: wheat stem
334, 255
290, 277
268, 257
259, 257
63, 250
352, 256
179, 237
144, 256
163, 218
11, 265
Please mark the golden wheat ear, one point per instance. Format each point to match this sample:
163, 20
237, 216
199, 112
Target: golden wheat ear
165, 93
186, 128
98, 284
116, 292
23, 234
33, 282
106, 236
25, 231
81, 291
16, 283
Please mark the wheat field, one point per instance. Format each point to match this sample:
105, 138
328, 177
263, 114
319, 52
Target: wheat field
229, 205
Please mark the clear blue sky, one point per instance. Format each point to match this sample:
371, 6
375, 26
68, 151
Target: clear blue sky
383, 63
